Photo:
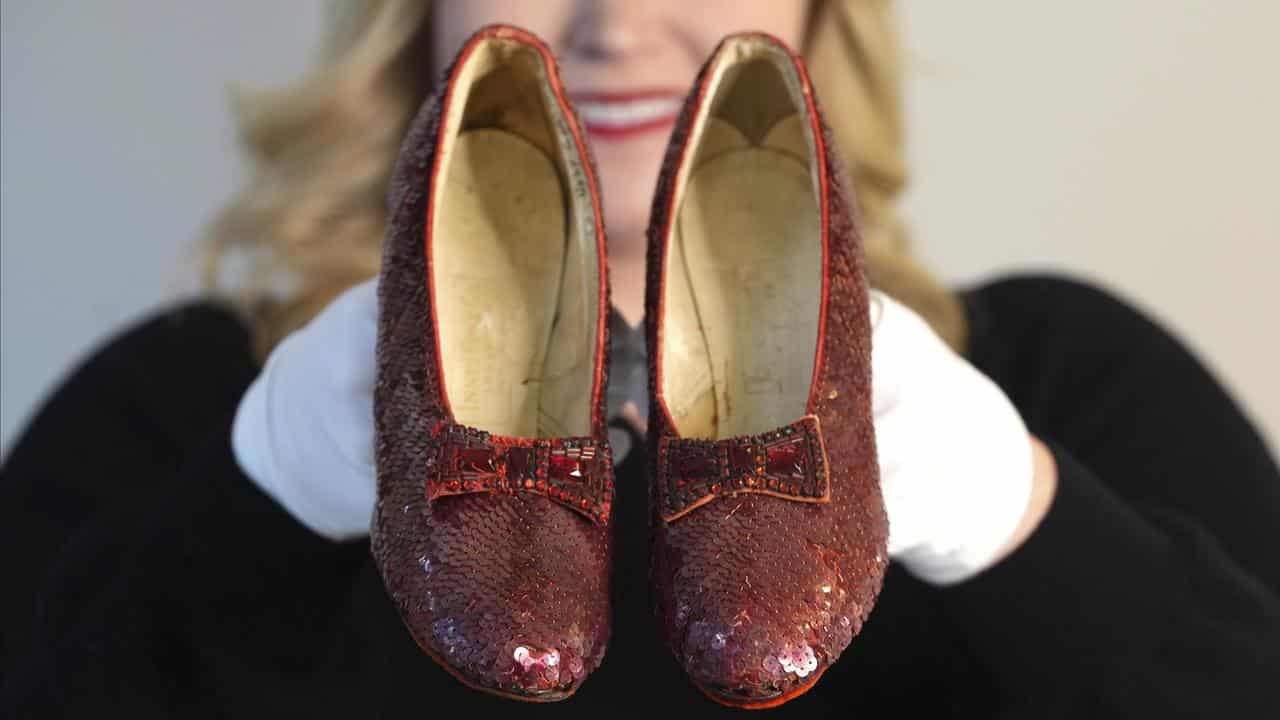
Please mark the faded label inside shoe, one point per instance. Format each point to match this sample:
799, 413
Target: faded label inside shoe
569, 373
743, 287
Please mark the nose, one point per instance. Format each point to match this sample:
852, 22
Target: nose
608, 30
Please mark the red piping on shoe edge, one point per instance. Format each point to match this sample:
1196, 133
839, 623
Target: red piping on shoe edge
821, 152
820, 147
553, 78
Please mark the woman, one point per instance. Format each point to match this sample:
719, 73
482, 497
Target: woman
158, 564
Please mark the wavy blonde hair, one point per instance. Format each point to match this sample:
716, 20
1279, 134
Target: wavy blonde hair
309, 223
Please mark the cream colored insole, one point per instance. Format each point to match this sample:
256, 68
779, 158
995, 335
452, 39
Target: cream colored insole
743, 287
499, 256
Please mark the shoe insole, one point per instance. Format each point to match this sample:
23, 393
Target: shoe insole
498, 255
744, 279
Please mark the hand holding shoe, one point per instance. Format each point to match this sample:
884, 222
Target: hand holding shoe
956, 465
304, 429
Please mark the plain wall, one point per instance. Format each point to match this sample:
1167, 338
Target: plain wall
1132, 142
116, 147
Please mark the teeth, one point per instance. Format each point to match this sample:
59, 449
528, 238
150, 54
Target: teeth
623, 113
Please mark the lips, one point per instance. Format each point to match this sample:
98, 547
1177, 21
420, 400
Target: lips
620, 115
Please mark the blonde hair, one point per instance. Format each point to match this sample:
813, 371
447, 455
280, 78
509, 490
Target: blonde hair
309, 223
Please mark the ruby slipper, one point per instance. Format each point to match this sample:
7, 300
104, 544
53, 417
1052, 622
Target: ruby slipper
493, 524
769, 528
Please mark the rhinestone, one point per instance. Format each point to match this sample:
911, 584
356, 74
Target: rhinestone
518, 461
473, 459
785, 459
742, 461
565, 467
693, 464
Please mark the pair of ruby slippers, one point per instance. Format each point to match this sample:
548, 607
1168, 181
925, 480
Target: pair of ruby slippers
493, 527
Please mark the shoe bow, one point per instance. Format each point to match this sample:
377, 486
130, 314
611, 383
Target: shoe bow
789, 462
574, 472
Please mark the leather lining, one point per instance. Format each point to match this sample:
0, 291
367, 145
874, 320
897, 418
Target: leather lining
514, 258
742, 296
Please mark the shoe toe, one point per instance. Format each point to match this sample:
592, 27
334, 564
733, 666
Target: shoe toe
755, 621
535, 671
747, 663
520, 609
528, 655
520, 668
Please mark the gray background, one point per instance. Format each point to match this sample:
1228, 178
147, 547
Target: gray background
1130, 141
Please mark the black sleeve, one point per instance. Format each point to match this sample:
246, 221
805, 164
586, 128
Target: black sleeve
116, 429
1152, 587
164, 606
144, 572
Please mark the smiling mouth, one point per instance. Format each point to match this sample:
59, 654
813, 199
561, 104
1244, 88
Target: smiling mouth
623, 115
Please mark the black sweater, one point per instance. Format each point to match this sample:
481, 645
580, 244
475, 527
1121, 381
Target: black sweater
146, 575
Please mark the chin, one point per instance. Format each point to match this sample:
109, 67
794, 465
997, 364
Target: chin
628, 172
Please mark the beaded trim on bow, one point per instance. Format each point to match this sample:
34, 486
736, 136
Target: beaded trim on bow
574, 472
789, 462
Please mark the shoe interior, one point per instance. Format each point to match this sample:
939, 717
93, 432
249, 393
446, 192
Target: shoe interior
744, 261
514, 261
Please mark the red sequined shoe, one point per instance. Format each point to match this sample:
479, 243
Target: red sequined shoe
493, 523
769, 528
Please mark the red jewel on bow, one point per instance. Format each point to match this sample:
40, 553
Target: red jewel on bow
574, 472
790, 462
